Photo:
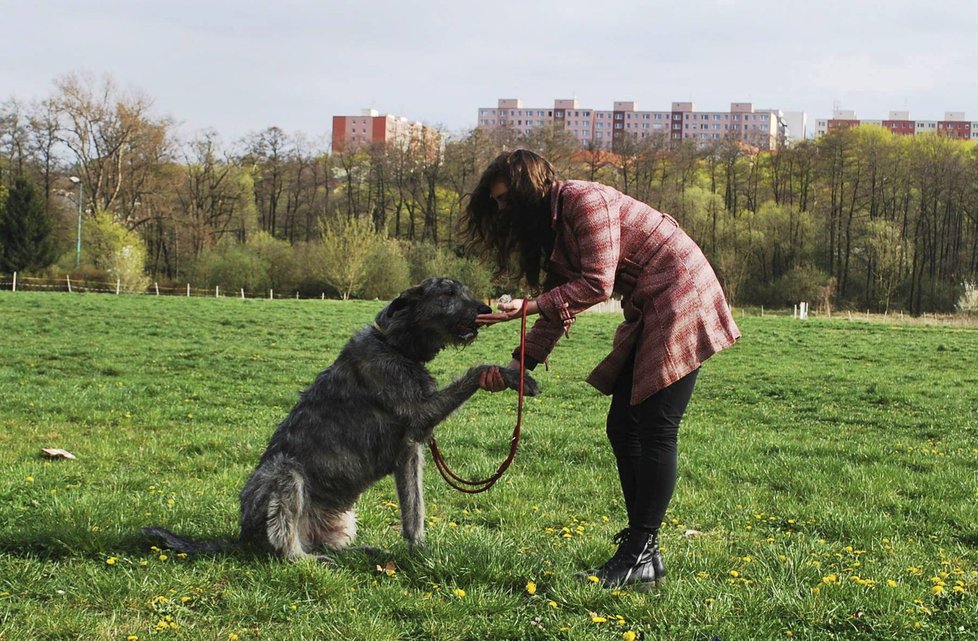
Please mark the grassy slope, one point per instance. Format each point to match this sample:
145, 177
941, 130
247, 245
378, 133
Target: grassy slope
829, 466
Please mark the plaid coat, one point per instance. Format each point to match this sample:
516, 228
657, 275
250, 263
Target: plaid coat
676, 315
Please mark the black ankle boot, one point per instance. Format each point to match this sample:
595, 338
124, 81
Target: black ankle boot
635, 562
619, 539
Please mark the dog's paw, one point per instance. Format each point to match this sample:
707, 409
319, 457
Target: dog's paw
512, 379
530, 385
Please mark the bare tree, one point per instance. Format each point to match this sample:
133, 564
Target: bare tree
117, 145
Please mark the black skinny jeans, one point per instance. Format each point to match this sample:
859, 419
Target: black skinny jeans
644, 438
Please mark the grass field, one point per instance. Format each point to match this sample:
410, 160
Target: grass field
829, 467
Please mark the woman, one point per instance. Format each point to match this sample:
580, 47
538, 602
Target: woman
588, 241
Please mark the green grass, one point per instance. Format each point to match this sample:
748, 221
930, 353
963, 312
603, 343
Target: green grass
830, 467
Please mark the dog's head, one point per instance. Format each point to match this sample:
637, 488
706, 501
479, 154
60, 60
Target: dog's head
437, 313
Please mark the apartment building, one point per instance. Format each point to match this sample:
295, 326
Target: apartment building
899, 123
352, 132
610, 129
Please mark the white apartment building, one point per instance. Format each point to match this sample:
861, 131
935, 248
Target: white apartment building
608, 129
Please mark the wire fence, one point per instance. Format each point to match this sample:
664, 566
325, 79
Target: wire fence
68, 284
15, 282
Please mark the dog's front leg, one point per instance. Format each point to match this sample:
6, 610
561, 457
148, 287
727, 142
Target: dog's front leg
425, 413
410, 493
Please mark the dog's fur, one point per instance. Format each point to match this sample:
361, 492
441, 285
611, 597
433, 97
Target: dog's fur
366, 416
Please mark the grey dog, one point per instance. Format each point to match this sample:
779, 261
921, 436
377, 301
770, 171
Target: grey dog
366, 416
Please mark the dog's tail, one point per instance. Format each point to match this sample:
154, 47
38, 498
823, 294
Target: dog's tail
188, 546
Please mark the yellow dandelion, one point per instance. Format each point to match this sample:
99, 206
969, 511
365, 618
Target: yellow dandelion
598, 619
531, 587
163, 557
132, 637
459, 592
184, 599
552, 604
937, 589
891, 583
593, 579
629, 635
29, 479
829, 579
111, 560
232, 637
734, 573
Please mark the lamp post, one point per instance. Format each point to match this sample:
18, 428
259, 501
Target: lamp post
76, 180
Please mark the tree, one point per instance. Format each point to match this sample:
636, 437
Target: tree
346, 248
25, 229
118, 147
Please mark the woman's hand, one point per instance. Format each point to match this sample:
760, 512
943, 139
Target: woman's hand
491, 380
508, 310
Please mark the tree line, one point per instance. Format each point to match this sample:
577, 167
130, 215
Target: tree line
857, 218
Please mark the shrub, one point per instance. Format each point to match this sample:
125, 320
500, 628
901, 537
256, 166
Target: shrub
110, 248
387, 271
279, 258
231, 265
427, 260
802, 283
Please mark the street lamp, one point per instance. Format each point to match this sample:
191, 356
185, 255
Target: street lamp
76, 180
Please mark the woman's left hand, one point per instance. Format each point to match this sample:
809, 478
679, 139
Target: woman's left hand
507, 311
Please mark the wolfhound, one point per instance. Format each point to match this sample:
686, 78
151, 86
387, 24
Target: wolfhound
367, 415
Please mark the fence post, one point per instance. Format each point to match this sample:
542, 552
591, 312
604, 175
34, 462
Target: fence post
68, 276
217, 291
157, 285
15, 281
242, 293
271, 295
297, 295
118, 285
188, 290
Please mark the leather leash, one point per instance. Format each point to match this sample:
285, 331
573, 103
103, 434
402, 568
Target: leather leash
477, 487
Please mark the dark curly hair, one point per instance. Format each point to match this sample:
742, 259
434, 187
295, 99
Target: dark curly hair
522, 229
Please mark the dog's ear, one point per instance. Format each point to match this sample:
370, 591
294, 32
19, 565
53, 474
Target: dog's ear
406, 299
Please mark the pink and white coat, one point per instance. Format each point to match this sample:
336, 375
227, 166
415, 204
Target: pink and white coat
676, 315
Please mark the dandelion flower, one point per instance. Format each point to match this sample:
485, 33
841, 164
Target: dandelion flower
598, 619
937, 589
232, 637
132, 637
459, 592
629, 635
891, 583
593, 579
111, 560
552, 604
163, 557
531, 587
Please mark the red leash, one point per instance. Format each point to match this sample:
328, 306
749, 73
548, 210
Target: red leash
477, 487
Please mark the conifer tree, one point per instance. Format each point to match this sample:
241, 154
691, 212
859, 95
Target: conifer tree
25, 229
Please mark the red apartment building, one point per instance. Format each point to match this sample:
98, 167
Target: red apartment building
899, 123
370, 127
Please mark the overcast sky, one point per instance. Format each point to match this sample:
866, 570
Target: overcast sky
240, 66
